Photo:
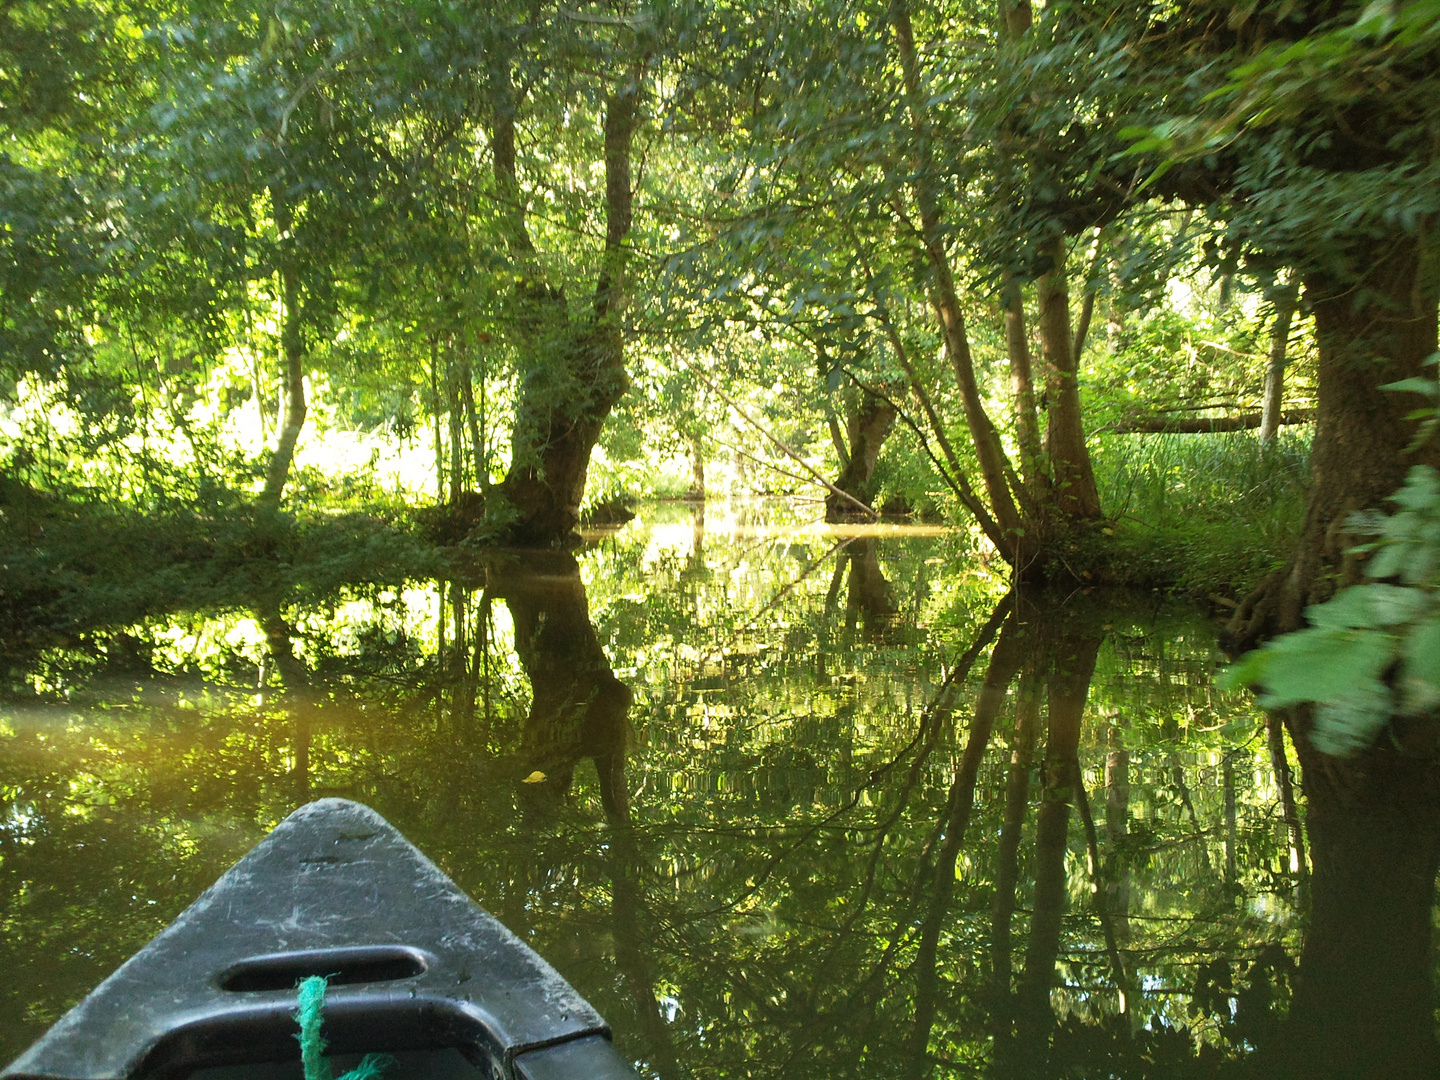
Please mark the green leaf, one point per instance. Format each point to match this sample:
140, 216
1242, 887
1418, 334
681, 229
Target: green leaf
1420, 676
1323, 664
1351, 721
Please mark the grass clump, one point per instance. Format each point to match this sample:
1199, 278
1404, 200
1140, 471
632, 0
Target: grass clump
1206, 514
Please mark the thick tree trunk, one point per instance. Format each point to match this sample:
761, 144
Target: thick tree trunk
1071, 475
869, 424
576, 365
1368, 333
1284, 298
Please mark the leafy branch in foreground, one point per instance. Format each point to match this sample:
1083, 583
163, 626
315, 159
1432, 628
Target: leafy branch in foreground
1373, 651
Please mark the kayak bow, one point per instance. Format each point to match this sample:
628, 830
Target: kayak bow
414, 966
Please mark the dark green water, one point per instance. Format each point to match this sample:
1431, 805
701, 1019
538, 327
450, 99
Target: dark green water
801, 802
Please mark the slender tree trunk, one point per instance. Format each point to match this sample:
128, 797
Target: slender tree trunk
697, 469
477, 440
435, 415
1022, 386
1117, 830
457, 422
292, 375
1067, 455
1019, 544
1284, 780
1284, 299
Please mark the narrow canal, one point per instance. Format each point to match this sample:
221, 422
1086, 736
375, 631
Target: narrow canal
780, 800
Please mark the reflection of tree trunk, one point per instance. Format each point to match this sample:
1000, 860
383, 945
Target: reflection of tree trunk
1005, 661
870, 422
1117, 829
294, 679
870, 593
1069, 684
1227, 786
1280, 763
1364, 1004
1017, 800
577, 705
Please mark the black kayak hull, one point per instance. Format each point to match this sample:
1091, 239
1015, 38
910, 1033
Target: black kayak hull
414, 964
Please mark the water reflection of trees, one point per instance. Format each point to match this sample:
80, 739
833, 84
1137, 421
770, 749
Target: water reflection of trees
833, 851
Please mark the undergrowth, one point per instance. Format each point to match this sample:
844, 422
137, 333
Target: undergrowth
1207, 514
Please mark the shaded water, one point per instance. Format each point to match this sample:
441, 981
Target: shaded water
800, 801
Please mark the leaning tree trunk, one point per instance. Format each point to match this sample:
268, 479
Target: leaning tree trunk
292, 344
870, 423
1284, 298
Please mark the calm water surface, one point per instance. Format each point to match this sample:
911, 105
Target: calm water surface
779, 800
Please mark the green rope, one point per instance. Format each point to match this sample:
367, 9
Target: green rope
312, 1043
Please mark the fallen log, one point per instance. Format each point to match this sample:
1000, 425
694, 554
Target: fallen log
1206, 425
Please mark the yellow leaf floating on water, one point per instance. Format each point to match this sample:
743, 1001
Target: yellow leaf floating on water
536, 777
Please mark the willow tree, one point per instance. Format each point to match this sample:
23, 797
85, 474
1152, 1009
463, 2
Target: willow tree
574, 86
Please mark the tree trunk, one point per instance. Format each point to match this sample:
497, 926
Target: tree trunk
1019, 547
1368, 333
1284, 299
1022, 384
1071, 475
697, 469
575, 365
292, 375
870, 422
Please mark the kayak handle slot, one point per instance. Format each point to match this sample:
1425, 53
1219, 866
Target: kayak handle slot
342, 966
